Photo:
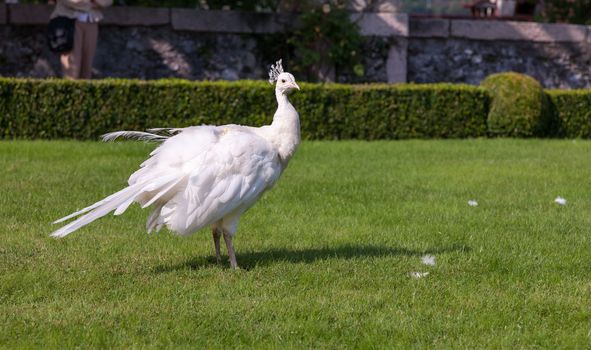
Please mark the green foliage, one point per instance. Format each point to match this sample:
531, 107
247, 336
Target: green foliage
519, 105
567, 11
325, 38
85, 109
573, 112
372, 112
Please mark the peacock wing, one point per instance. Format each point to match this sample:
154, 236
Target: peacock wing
228, 176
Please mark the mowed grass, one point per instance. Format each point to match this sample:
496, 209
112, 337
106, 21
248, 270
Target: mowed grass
326, 256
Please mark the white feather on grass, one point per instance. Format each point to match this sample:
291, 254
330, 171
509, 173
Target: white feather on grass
428, 260
560, 200
418, 275
472, 203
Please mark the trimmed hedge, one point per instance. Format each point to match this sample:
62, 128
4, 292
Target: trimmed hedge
572, 110
45, 109
519, 105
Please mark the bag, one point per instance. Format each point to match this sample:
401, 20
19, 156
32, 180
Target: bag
60, 34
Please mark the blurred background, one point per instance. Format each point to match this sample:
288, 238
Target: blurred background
394, 41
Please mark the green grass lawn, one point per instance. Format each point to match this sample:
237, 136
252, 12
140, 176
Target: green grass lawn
326, 256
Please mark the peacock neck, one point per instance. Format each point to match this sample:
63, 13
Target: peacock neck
286, 127
286, 115
282, 100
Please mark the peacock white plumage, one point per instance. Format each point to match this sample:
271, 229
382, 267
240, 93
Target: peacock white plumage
205, 175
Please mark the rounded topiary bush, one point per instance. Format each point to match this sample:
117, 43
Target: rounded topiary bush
519, 105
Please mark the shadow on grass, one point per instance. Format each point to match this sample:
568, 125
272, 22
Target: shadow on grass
249, 260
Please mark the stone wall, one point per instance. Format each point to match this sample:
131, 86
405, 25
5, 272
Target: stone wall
558, 55
555, 65
157, 43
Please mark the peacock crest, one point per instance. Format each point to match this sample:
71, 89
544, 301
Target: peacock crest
275, 70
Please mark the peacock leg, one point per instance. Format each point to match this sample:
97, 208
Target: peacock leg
230, 246
216, 240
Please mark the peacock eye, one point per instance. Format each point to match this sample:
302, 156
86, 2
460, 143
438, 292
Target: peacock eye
283, 80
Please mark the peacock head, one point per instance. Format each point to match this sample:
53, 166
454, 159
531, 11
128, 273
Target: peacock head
285, 81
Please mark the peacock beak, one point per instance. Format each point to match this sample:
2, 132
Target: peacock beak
295, 85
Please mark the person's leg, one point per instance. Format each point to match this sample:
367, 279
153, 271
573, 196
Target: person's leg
89, 49
71, 60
